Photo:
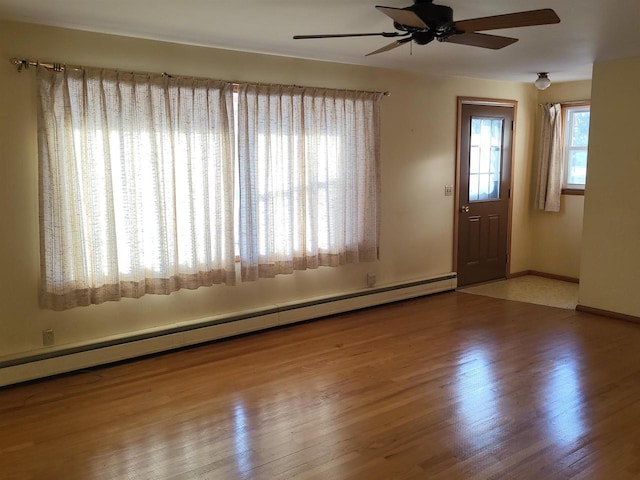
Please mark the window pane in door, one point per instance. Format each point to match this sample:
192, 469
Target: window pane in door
485, 160
474, 192
474, 160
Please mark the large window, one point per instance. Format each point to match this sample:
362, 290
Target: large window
576, 144
150, 184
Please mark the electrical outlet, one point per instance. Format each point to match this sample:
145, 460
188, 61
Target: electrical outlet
448, 190
47, 338
371, 279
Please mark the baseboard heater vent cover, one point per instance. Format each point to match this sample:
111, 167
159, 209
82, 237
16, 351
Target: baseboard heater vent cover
75, 357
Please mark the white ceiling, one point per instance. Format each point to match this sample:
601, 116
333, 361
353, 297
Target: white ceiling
590, 31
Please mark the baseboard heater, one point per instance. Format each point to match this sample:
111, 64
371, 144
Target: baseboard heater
68, 358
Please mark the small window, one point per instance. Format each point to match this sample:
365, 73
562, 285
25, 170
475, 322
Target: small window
576, 145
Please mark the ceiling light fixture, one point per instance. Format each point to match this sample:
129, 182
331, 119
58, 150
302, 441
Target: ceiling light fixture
542, 82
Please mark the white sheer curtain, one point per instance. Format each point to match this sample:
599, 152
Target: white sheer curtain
136, 185
550, 163
308, 178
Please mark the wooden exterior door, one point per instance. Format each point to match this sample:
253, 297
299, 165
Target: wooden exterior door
484, 191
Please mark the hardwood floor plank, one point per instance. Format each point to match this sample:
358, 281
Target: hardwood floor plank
448, 386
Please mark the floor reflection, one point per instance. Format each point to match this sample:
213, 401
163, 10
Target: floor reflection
563, 402
478, 407
241, 438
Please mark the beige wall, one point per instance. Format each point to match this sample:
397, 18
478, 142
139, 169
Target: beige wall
556, 238
610, 264
418, 154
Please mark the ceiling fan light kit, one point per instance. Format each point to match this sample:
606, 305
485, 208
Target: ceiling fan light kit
425, 21
542, 82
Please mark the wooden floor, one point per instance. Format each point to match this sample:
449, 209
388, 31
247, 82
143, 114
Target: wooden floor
444, 387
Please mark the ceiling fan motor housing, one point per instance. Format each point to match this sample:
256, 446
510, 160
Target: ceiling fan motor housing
422, 38
436, 17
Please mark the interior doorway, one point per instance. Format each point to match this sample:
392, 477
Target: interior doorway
483, 190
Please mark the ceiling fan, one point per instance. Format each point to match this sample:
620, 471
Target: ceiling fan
425, 21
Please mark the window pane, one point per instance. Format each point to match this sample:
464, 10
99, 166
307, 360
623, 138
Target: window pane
474, 160
577, 167
474, 195
494, 191
496, 158
496, 133
485, 181
580, 130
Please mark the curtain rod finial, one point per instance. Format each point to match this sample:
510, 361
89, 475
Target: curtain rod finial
21, 64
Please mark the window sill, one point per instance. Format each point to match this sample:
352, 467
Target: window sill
572, 191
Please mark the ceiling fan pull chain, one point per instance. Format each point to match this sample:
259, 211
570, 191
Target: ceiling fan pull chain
411, 47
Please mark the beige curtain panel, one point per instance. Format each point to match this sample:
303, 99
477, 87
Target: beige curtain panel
549, 188
137, 182
308, 178
136, 185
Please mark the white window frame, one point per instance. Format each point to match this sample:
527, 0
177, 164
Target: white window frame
567, 117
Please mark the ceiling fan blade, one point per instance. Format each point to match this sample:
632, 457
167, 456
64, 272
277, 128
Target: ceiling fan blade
340, 35
545, 16
483, 40
403, 17
391, 46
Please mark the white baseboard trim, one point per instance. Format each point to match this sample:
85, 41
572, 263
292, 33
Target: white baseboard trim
68, 358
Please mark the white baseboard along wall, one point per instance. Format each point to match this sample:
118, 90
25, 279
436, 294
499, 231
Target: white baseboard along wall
67, 358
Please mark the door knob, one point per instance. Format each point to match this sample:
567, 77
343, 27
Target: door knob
464, 209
